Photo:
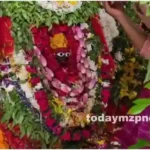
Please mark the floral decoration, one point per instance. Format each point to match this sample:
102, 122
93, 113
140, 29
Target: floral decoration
61, 6
57, 66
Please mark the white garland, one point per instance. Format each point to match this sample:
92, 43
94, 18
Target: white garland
109, 27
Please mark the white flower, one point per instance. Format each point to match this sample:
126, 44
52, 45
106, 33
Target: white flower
89, 47
92, 64
109, 27
20, 58
118, 56
90, 35
22, 74
34, 103
84, 26
105, 61
105, 84
92, 92
8, 88
26, 87
38, 86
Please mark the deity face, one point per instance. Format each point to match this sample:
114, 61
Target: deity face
62, 55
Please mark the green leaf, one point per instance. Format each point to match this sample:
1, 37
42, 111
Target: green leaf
1, 13
140, 144
23, 132
29, 131
20, 120
147, 85
141, 101
137, 109
148, 11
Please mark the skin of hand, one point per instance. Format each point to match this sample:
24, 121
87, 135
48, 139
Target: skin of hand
136, 35
141, 12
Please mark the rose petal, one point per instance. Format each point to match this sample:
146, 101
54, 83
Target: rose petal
43, 61
37, 52
56, 83
65, 88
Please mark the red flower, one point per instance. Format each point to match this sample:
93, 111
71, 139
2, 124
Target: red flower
76, 137
30, 69
86, 134
6, 40
61, 75
105, 95
66, 137
34, 81
50, 122
46, 114
40, 95
43, 105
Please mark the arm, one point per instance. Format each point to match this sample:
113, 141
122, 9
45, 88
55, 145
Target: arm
136, 35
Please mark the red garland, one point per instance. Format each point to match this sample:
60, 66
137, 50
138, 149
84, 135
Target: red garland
6, 40
107, 70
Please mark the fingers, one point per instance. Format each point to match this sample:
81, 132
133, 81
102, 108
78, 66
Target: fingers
106, 6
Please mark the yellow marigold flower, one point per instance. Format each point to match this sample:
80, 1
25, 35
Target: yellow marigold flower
3, 144
58, 41
73, 3
60, 2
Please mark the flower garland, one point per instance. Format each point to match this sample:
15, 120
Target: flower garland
61, 6
106, 62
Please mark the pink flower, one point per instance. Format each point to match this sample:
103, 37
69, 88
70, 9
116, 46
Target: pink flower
34, 81
66, 137
86, 134
57, 130
76, 137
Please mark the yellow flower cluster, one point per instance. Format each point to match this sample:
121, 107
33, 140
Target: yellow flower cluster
71, 117
128, 80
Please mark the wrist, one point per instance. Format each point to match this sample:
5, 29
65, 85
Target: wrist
121, 18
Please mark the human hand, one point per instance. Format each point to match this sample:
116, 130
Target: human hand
115, 9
